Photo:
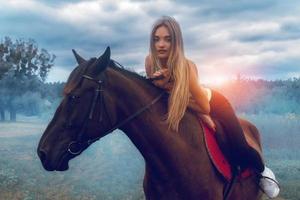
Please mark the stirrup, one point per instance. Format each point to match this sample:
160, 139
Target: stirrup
268, 183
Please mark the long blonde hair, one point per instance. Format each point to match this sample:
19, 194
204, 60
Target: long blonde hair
179, 70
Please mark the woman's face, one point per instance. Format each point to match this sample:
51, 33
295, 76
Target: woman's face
162, 42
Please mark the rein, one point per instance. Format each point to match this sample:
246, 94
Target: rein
75, 147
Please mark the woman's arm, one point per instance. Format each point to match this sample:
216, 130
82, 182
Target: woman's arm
196, 107
192, 103
198, 93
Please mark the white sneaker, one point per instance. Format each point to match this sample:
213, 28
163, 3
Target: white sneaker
269, 184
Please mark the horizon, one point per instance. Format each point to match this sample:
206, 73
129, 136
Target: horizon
219, 81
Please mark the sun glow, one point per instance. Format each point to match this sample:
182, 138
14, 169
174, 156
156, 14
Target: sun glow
215, 80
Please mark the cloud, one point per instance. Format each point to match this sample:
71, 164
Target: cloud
249, 37
58, 74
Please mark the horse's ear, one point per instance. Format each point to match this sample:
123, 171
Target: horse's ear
102, 61
79, 59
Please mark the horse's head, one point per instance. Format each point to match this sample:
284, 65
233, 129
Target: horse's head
80, 117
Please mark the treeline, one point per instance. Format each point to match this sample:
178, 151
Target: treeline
248, 96
262, 96
41, 101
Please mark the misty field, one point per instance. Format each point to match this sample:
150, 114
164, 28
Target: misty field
113, 169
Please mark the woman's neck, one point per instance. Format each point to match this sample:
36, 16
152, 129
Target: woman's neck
163, 63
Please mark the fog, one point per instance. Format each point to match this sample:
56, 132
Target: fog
112, 168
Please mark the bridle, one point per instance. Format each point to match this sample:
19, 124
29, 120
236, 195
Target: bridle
75, 147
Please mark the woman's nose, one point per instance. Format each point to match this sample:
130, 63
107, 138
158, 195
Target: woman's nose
161, 43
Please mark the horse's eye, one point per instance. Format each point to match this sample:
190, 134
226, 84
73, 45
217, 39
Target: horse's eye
73, 97
71, 102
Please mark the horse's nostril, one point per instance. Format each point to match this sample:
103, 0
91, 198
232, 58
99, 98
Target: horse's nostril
42, 155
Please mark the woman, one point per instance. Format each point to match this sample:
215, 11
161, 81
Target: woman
179, 77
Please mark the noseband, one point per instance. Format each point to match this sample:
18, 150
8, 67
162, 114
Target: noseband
75, 147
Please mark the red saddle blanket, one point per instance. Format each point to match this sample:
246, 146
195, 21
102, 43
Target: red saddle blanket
218, 158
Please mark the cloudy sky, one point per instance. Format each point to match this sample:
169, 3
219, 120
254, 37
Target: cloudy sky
254, 38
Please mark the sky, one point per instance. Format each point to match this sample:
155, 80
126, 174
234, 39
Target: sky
224, 38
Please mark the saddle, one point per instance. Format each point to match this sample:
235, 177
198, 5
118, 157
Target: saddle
218, 149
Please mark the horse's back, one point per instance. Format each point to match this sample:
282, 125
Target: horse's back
194, 176
249, 185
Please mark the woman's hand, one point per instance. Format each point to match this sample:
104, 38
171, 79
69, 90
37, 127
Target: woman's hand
204, 117
161, 72
163, 77
208, 121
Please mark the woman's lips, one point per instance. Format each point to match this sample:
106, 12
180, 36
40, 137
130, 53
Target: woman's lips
162, 51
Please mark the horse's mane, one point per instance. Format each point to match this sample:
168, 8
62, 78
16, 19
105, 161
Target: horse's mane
127, 71
75, 76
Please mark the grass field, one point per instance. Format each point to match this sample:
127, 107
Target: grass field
113, 169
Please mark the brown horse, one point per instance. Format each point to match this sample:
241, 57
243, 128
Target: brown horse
100, 97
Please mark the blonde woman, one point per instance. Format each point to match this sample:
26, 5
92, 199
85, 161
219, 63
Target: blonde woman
179, 77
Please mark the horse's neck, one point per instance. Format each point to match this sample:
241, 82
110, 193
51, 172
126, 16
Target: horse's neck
162, 149
132, 95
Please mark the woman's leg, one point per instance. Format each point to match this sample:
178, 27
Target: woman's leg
242, 153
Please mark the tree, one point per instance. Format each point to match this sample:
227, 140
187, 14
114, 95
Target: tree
23, 67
